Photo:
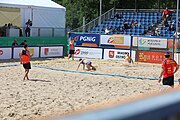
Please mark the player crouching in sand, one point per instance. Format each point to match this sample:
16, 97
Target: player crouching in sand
128, 58
88, 65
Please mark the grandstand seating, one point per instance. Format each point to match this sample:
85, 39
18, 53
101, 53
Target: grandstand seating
143, 19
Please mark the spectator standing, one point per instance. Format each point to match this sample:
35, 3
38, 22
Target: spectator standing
27, 30
166, 14
4, 30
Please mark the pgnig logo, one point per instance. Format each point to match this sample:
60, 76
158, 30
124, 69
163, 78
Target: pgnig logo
142, 41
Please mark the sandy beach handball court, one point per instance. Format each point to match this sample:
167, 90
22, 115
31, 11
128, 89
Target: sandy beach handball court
51, 92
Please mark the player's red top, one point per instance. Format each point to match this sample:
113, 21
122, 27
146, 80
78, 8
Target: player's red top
169, 66
25, 59
167, 11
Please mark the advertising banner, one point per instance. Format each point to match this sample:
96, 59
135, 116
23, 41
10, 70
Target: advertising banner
86, 39
150, 57
152, 42
176, 45
5, 53
52, 51
116, 54
117, 41
135, 41
86, 52
177, 58
33, 50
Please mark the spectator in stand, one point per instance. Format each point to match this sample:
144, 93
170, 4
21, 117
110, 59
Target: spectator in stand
107, 30
118, 15
24, 43
133, 23
157, 32
172, 27
166, 14
15, 43
126, 26
177, 35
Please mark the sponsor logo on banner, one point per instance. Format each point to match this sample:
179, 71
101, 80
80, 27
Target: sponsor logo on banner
110, 40
31, 51
1, 52
51, 51
5, 53
142, 41
111, 54
116, 41
121, 55
77, 51
115, 54
152, 42
87, 52
46, 51
86, 39
150, 57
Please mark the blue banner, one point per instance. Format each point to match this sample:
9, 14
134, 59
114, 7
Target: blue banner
86, 39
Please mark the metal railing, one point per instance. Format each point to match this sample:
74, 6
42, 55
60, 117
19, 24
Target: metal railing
87, 27
46, 32
161, 107
141, 10
34, 32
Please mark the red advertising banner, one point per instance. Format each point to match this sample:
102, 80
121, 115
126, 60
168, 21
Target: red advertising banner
150, 57
177, 44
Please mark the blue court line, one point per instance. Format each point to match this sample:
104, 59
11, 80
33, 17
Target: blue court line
3, 66
96, 73
91, 73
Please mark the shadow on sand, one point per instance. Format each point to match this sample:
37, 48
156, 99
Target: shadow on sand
36, 80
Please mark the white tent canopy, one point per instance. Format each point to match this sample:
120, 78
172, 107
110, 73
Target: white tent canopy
43, 13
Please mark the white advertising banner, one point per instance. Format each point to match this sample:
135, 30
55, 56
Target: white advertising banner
5, 53
177, 58
52, 51
121, 40
152, 42
117, 54
33, 50
135, 41
85, 52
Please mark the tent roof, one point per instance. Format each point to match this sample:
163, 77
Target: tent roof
29, 3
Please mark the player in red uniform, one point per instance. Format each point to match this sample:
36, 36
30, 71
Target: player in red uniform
169, 67
25, 60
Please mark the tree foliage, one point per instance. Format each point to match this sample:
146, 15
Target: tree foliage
77, 9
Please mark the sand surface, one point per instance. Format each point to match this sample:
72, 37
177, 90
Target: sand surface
49, 91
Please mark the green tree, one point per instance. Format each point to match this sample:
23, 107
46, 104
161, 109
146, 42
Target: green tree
77, 9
